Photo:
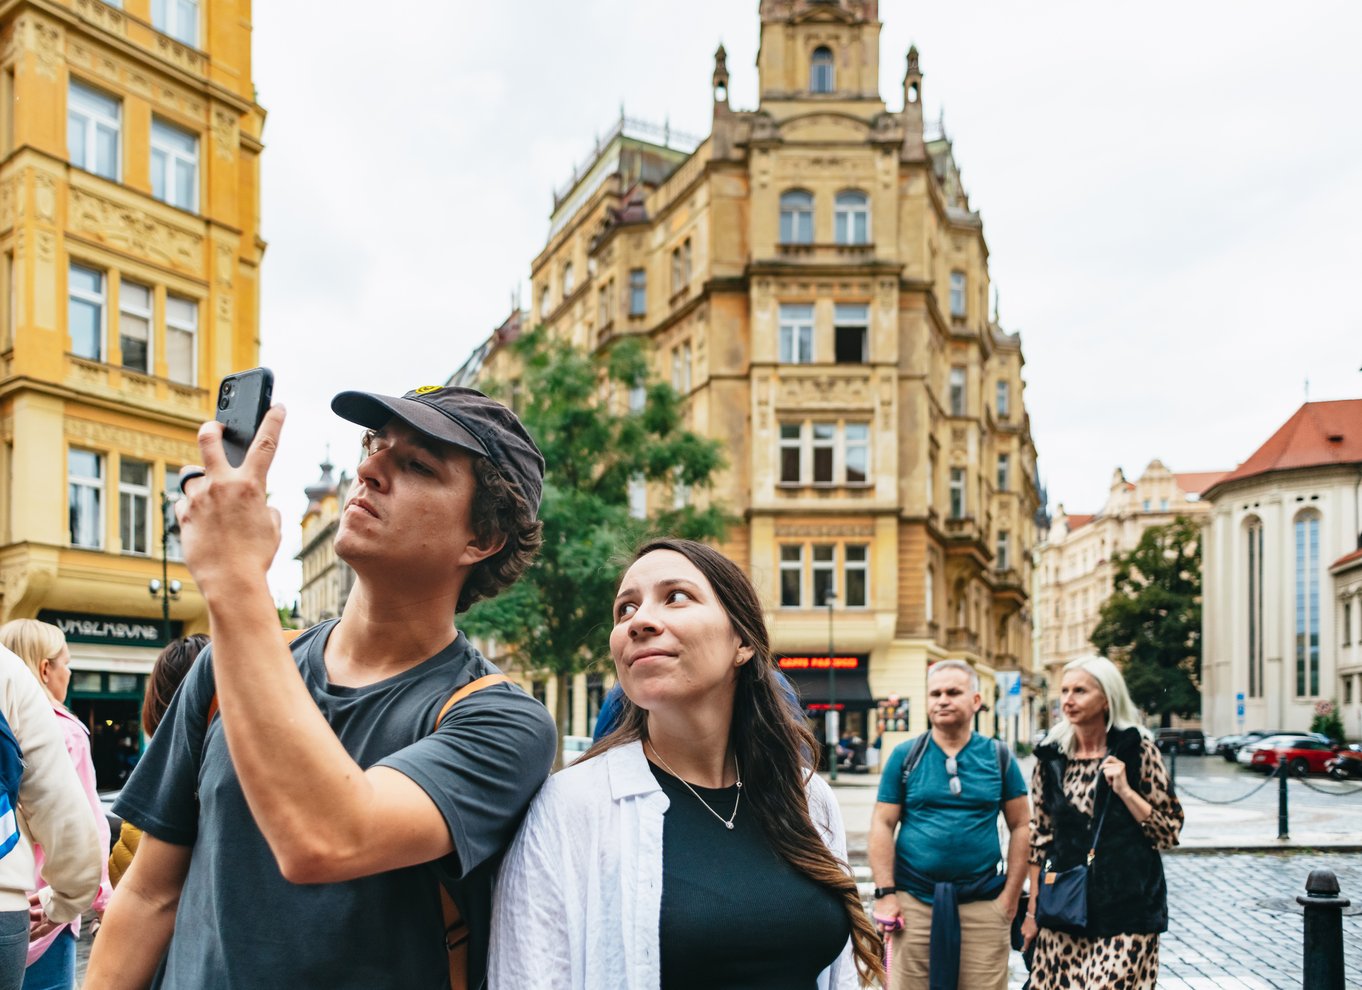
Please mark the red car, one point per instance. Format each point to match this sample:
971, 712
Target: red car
1302, 756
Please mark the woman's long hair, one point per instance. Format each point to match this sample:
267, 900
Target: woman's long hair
171, 665
770, 741
33, 642
1121, 710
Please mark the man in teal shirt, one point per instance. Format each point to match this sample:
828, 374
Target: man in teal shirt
941, 877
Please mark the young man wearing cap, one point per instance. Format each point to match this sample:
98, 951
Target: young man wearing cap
300, 809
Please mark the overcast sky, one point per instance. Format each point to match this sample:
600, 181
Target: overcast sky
1171, 194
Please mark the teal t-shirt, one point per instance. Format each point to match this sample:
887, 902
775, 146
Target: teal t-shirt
949, 837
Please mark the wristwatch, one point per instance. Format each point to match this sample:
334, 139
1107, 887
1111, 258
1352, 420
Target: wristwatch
885, 892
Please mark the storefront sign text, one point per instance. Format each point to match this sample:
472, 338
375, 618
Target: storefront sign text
109, 630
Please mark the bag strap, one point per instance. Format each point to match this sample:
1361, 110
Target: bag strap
1004, 764
1101, 817
913, 758
456, 929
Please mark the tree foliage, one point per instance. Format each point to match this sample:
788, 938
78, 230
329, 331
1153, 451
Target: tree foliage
557, 617
1151, 624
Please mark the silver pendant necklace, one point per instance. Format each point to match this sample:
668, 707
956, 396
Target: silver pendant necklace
727, 822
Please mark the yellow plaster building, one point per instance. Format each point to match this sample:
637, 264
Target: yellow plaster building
129, 202
813, 280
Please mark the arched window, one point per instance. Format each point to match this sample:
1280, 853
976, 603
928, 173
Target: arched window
929, 594
569, 283
796, 217
852, 218
1253, 561
822, 73
1307, 604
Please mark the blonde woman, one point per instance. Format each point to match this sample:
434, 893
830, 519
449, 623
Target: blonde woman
52, 948
1099, 772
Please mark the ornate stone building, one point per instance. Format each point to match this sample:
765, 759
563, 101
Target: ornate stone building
813, 280
327, 579
1282, 582
129, 201
1074, 562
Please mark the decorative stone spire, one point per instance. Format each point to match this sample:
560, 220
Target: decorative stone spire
325, 485
914, 149
720, 78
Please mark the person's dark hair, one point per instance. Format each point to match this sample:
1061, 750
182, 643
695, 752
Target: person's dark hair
499, 510
166, 673
771, 742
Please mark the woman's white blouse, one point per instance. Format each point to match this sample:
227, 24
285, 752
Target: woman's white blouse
579, 897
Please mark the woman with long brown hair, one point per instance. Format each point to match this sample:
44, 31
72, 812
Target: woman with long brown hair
694, 845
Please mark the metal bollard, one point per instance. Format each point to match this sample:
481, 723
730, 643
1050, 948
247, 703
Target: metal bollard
1283, 819
1173, 766
1323, 932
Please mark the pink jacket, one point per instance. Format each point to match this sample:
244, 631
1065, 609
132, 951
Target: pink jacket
78, 746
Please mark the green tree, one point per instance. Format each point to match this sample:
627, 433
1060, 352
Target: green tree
583, 412
1151, 625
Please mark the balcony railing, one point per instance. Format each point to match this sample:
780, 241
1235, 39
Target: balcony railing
966, 640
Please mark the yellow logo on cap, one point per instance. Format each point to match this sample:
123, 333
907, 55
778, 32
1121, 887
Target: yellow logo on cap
428, 388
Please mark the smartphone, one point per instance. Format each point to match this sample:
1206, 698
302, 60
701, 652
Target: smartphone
243, 400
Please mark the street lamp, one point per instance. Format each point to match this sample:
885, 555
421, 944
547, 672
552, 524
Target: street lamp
163, 587
830, 599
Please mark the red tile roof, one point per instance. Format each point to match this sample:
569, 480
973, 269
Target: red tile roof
1317, 435
1076, 521
1196, 482
1347, 558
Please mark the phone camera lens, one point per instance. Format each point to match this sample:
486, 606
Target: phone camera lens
225, 394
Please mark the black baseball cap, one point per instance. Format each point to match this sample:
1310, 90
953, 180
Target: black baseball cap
463, 417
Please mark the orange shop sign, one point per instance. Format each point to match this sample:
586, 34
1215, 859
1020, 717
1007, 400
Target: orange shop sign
820, 663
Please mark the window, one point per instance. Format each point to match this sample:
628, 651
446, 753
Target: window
1307, 605
796, 217
1347, 690
957, 293
93, 125
569, 280
1004, 472
603, 314
957, 391
638, 497
134, 506
931, 480
1347, 623
1004, 400
177, 18
544, 299
791, 576
855, 574
851, 218
172, 491
796, 334
680, 489
687, 259
1254, 532
851, 331
822, 71
857, 456
824, 573
1144, 504
638, 398
957, 493
1003, 560
929, 594
681, 367
174, 165
825, 453
182, 327
638, 292
85, 481
134, 326
1163, 505
85, 312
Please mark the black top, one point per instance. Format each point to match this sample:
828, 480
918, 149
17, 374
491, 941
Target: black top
734, 914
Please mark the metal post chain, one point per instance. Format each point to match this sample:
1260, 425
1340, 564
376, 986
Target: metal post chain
1350, 792
1181, 791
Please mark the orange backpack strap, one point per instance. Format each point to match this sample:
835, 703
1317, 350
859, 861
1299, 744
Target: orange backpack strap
212, 710
456, 929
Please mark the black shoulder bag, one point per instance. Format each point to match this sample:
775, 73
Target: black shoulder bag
1062, 904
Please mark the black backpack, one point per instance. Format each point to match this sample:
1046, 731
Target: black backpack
919, 747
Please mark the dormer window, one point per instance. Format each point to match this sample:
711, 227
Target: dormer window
822, 72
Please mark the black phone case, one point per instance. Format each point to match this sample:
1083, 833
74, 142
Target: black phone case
243, 400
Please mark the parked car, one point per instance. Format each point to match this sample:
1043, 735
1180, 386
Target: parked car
1229, 746
1189, 741
1346, 763
1245, 753
1301, 756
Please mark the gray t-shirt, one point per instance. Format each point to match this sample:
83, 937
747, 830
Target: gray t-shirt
241, 924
